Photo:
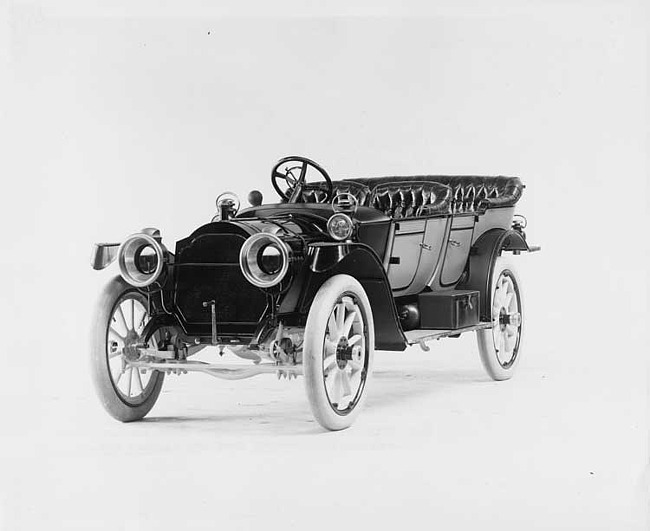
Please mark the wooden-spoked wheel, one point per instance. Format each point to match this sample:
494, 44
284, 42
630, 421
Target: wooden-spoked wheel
338, 352
499, 346
345, 355
120, 318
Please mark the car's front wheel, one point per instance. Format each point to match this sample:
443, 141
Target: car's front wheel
338, 351
499, 346
120, 317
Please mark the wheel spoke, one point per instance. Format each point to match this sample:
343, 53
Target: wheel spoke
122, 318
120, 314
115, 334
330, 348
132, 314
114, 354
142, 320
345, 384
505, 283
496, 291
355, 379
508, 300
333, 328
347, 325
333, 387
340, 315
497, 300
128, 382
329, 380
340, 390
139, 380
503, 291
354, 339
510, 343
328, 364
349, 304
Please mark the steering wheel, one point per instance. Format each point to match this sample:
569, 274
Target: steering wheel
293, 171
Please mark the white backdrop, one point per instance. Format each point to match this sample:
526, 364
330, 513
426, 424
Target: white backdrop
119, 117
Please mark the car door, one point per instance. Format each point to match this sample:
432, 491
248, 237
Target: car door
458, 246
405, 252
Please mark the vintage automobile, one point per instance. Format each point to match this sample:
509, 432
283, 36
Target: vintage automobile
312, 285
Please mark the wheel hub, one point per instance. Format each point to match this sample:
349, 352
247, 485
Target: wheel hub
346, 352
131, 342
505, 318
343, 352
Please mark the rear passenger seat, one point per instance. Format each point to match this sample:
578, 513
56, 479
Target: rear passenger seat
417, 196
474, 193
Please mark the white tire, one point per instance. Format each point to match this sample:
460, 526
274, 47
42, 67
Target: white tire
500, 346
120, 316
338, 352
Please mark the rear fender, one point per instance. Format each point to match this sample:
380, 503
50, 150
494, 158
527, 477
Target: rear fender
482, 260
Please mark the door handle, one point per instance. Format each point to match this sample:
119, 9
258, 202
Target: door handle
454, 243
426, 246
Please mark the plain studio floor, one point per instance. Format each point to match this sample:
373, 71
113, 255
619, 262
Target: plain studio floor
438, 445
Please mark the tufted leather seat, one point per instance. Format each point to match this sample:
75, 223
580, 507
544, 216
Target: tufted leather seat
425, 195
473, 194
317, 192
469, 193
407, 199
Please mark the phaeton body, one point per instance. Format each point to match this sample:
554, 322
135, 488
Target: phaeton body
313, 285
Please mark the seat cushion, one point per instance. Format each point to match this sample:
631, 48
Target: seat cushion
469, 193
317, 192
407, 199
426, 194
473, 194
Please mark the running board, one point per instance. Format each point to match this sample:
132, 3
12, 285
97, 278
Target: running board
421, 337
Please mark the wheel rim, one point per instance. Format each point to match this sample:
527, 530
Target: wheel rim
125, 326
345, 355
506, 319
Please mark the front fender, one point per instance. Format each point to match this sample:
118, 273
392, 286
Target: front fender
324, 260
103, 255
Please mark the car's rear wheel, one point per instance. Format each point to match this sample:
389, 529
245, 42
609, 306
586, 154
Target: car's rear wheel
120, 316
499, 346
338, 352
